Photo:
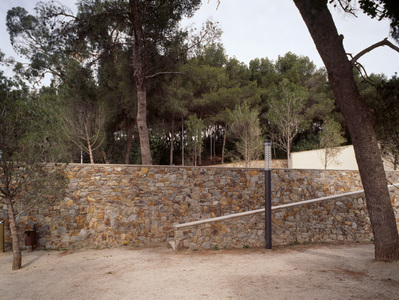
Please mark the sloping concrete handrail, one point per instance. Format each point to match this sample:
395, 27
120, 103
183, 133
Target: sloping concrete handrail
261, 210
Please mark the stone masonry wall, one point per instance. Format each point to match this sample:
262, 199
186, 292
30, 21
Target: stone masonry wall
345, 219
112, 205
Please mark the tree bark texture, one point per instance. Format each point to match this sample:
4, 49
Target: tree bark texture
16, 250
139, 65
90, 150
358, 116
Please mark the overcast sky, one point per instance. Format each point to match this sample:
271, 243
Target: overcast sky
267, 28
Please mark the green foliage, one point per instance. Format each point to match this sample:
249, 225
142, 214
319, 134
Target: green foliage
307, 142
246, 130
28, 139
297, 69
28, 128
384, 99
316, 105
382, 9
14, 116
285, 115
91, 56
45, 41
263, 72
82, 113
158, 147
194, 142
331, 136
135, 154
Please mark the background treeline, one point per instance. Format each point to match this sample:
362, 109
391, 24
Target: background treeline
129, 85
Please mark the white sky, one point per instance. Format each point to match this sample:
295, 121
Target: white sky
266, 28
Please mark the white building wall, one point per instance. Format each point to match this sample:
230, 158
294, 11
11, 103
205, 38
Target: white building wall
314, 159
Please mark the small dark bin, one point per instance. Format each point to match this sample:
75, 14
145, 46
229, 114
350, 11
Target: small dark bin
30, 239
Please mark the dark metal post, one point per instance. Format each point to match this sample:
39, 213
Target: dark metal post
268, 197
1, 236
182, 141
210, 135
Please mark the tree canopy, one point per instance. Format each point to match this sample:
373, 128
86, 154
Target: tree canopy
97, 81
131, 86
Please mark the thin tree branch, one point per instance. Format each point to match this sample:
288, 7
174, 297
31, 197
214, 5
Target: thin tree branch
363, 73
163, 73
346, 7
384, 42
201, 38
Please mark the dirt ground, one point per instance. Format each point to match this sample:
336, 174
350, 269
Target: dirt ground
297, 272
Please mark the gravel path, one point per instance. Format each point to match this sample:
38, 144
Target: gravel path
297, 272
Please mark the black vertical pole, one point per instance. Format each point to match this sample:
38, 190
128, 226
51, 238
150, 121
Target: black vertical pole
268, 198
1, 236
182, 141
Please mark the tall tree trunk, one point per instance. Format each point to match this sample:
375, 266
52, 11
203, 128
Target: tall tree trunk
214, 149
200, 148
129, 141
195, 151
325, 158
182, 141
16, 250
146, 158
224, 143
246, 157
172, 141
358, 117
89, 149
139, 65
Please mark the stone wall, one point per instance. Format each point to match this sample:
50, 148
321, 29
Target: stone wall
275, 164
343, 220
112, 205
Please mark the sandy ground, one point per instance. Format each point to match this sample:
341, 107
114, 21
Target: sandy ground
297, 272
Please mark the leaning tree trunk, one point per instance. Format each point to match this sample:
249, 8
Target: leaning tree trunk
139, 65
16, 250
358, 117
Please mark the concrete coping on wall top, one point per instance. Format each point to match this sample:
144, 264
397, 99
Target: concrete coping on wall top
200, 167
161, 166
